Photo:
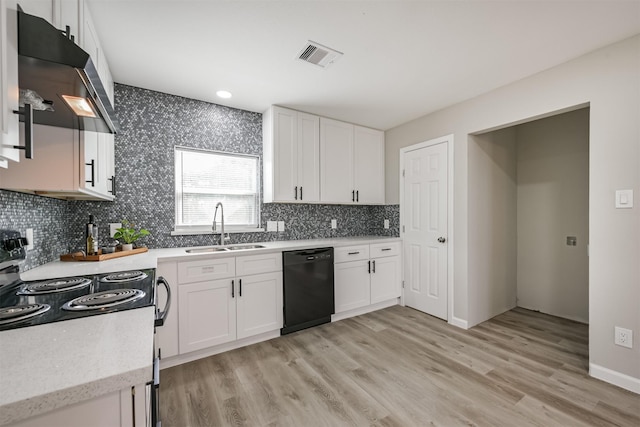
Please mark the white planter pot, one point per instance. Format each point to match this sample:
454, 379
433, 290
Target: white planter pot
127, 246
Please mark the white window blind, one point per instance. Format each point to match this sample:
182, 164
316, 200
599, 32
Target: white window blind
204, 178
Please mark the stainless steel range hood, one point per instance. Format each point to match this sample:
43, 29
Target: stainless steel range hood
51, 65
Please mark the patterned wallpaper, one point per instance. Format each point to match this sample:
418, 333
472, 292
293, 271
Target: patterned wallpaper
151, 124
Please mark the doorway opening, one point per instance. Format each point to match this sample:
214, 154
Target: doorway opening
529, 218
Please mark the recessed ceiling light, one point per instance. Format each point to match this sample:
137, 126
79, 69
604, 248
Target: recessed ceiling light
223, 94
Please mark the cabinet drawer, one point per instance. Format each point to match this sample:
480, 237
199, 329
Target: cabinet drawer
385, 249
351, 253
255, 264
208, 269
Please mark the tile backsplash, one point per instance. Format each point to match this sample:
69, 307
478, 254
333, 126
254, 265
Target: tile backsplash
151, 124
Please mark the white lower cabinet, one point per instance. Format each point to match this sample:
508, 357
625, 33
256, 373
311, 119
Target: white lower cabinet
219, 300
259, 304
385, 278
352, 288
366, 275
207, 314
125, 408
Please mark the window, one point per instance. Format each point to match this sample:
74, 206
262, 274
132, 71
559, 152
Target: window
204, 178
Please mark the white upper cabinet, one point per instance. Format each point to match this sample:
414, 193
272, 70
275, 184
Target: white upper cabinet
9, 91
291, 163
352, 163
368, 165
336, 162
76, 165
311, 159
91, 44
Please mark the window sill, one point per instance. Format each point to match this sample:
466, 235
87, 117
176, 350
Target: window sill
229, 231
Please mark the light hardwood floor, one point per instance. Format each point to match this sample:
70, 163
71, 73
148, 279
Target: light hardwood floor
400, 367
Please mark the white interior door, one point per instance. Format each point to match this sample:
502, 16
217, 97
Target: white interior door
424, 225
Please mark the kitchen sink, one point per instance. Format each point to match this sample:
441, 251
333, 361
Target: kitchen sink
211, 249
243, 247
205, 250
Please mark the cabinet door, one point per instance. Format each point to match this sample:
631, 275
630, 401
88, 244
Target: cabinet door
110, 162
336, 161
385, 278
206, 314
9, 90
368, 168
167, 335
259, 304
352, 288
285, 159
89, 144
308, 157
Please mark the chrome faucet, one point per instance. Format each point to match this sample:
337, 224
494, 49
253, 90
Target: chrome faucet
213, 228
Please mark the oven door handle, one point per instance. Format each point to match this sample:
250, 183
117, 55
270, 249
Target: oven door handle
162, 315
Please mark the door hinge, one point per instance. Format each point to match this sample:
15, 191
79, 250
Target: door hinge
403, 173
403, 284
403, 228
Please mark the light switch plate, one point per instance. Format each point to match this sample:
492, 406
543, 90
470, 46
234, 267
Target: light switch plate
386, 224
29, 236
113, 226
272, 226
624, 199
280, 226
334, 223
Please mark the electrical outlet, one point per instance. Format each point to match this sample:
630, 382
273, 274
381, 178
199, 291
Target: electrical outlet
272, 226
113, 227
386, 224
280, 226
334, 223
623, 337
29, 236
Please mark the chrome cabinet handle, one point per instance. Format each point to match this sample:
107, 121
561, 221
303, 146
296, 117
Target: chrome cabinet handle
233, 289
353, 253
374, 265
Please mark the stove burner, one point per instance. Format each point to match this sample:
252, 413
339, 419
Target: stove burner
17, 313
103, 299
55, 286
127, 276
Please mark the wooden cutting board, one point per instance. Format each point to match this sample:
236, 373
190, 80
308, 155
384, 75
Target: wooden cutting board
79, 256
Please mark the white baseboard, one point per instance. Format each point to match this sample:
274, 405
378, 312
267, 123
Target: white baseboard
363, 310
200, 354
621, 380
460, 323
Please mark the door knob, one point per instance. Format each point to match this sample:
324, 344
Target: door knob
441, 239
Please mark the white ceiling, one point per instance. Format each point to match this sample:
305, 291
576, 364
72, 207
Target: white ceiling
402, 59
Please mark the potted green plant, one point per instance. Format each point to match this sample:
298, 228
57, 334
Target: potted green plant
128, 234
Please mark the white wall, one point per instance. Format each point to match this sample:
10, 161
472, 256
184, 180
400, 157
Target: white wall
553, 203
492, 230
607, 80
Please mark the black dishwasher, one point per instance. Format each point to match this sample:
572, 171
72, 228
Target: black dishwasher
308, 288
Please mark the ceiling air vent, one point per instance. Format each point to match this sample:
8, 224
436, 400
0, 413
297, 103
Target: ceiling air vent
317, 54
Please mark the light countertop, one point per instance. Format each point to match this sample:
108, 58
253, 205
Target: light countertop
50, 366
150, 259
